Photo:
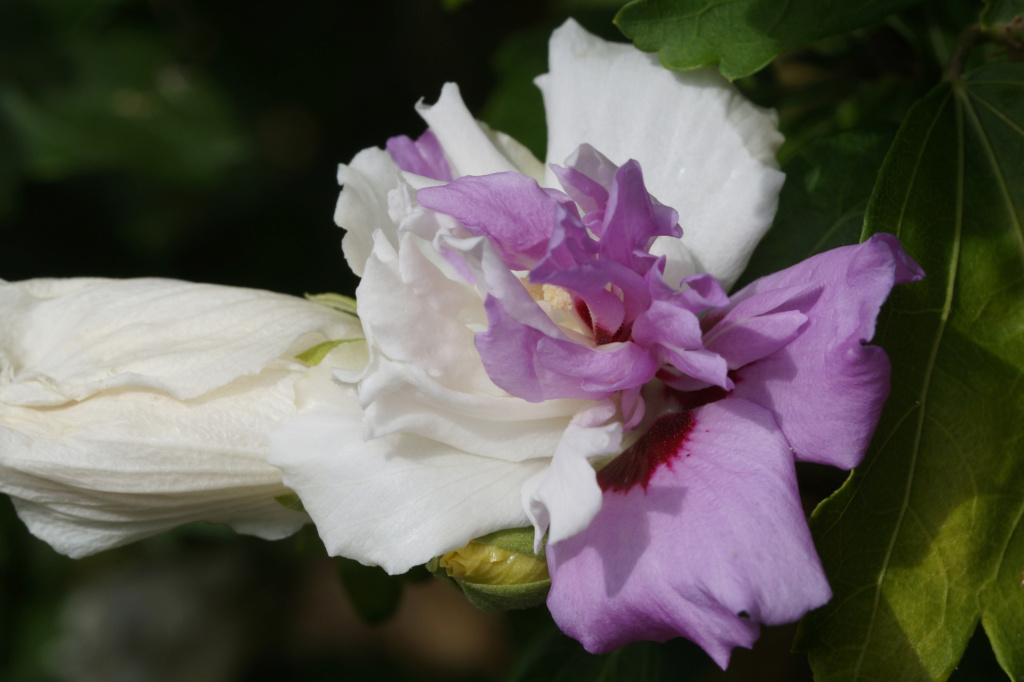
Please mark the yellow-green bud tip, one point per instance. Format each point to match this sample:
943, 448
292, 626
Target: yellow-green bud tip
486, 564
497, 572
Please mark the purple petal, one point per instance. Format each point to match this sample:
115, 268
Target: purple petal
422, 157
509, 352
600, 370
510, 209
754, 338
586, 177
674, 336
826, 388
697, 293
700, 534
632, 220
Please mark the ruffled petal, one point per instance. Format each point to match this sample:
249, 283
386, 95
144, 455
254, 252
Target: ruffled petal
563, 499
395, 501
126, 464
705, 150
440, 389
704, 538
63, 340
508, 208
362, 208
467, 143
826, 387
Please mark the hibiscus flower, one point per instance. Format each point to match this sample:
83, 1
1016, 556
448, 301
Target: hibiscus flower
537, 345
553, 346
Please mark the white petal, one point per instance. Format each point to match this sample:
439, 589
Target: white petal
396, 501
125, 464
467, 144
363, 204
63, 340
417, 315
426, 376
566, 497
405, 400
705, 151
516, 152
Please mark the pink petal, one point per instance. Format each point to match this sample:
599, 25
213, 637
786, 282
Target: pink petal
701, 535
826, 388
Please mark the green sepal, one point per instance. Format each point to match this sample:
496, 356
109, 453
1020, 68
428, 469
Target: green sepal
338, 302
494, 597
518, 540
315, 355
290, 501
506, 597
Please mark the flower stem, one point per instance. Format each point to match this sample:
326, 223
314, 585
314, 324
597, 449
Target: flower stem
1010, 35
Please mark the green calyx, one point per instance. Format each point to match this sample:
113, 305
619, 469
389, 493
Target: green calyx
344, 304
315, 355
497, 572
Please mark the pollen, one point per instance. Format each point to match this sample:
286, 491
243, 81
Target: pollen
557, 297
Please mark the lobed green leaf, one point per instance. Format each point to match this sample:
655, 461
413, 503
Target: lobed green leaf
926, 537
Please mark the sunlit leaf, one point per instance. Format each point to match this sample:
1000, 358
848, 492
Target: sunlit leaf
926, 537
741, 36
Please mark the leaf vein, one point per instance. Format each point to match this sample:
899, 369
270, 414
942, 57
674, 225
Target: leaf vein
922, 402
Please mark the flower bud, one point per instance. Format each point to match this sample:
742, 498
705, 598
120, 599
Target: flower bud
497, 572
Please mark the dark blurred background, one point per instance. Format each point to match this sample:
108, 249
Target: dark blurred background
200, 140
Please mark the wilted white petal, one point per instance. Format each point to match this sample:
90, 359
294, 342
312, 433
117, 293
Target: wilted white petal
130, 407
395, 501
705, 151
63, 340
126, 463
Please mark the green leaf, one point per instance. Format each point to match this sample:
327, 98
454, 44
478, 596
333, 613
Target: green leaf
550, 656
374, 594
926, 537
553, 657
998, 12
822, 204
741, 36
